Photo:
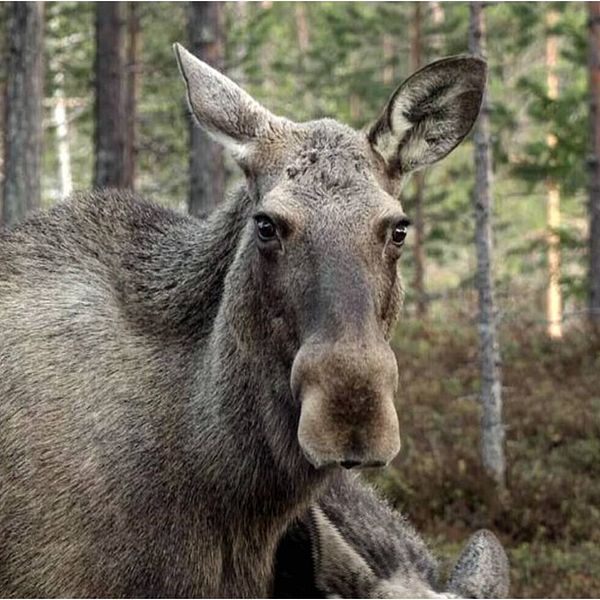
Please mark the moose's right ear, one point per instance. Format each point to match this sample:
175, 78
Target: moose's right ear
481, 570
230, 115
429, 114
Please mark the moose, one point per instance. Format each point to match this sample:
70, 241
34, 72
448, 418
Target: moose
182, 400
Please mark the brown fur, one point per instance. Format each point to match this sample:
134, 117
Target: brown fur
148, 433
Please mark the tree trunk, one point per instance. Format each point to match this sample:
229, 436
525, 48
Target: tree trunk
594, 202
110, 132
419, 181
438, 17
389, 51
554, 298
207, 172
302, 27
240, 44
23, 111
3, 73
131, 93
62, 136
355, 100
492, 444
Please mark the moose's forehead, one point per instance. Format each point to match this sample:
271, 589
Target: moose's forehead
330, 170
334, 154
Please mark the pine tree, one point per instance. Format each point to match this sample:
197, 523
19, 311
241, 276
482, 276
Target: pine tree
207, 172
492, 446
594, 199
110, 130
23, 111
416, 52
554, 297
130, 100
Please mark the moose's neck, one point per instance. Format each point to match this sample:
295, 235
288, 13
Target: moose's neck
183, 285
252, 476
173, 281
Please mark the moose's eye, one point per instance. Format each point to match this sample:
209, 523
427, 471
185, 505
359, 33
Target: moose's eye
265, 228
399, 232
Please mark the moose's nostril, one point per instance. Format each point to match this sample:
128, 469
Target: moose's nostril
349, 464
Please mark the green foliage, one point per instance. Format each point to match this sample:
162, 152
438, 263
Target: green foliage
69, 37
337, 69
163, 115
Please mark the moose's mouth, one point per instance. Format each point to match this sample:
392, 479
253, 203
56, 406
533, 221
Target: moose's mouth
315, 462
351, 438
346, 464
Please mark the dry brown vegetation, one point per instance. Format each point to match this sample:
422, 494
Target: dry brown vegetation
550, 519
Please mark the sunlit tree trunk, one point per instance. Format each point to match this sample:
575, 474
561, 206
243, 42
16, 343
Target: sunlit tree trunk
355, 101
438, 16
416, 53
594, 200
240, 44
389, 50
553, 298
492, 444
302, 27
61, 124
437, 12
23, 111
110, 130
207, 172
305, 90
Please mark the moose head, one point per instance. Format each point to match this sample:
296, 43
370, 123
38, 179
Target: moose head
315, 275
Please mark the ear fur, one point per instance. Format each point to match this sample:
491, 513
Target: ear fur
482, 569
230, 115
339, 568
429, 114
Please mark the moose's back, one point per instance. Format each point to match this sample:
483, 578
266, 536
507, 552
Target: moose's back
92, 406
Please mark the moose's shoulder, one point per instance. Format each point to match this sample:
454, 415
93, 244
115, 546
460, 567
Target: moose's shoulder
87, 219
91, 231
114, 208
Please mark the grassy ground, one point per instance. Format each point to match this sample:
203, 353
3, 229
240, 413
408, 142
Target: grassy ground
550, 521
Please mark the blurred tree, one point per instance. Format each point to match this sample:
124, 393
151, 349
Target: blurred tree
23, 110
492, 444
312, 60
3, 52
61, 124
207, 171
162, 145
55, 48
416, 53
132, 69
594, 199
68, 153
522, 140
110, 128
389, 50
554, 297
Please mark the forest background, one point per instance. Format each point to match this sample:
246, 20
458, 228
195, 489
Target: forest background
91, 96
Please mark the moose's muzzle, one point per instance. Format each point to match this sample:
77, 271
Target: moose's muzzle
346, 392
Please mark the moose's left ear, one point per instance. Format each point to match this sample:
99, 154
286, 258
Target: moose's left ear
429, 114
